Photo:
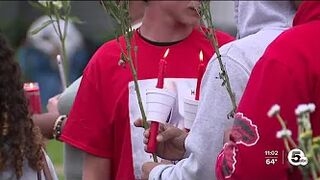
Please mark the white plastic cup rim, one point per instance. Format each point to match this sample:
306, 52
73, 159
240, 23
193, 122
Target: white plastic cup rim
159, 104
190, 105
190, 111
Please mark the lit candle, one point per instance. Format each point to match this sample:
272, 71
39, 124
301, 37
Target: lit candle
61, 72
32, 94
162, 69
154, 127
201, 69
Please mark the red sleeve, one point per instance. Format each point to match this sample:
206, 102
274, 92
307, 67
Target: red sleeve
89, 126
254, 133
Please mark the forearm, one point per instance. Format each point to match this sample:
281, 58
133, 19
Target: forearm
45, 122
96, 168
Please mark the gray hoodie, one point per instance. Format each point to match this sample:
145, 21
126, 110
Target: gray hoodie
258, 24
73, 157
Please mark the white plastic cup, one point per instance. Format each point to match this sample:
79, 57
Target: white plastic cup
190, 111
159, 104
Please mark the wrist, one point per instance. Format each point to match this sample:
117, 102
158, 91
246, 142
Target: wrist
58, 125
183, 144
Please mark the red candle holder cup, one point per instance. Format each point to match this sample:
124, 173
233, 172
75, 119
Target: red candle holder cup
32, 94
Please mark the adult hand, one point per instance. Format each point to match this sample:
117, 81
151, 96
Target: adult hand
45, 121
170, 141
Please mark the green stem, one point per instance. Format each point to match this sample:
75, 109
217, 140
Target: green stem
286, 144
310, 149
64, 51
65, 62
316, 163
313, 172
56, 14
62, 37
65, 29
119, 11
292, 143
281, 121
284, 127
137, 89
54, 27
224, 72
213, 40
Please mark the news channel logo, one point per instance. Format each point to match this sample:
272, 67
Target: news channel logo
296, 157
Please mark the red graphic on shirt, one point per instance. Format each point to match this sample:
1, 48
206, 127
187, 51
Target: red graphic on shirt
242, 132
228, 158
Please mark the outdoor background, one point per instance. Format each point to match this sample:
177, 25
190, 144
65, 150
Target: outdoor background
16, 17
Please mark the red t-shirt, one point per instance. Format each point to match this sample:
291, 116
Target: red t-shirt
99, 121
288, 74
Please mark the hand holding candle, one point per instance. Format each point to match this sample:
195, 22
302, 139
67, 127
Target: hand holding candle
154, 127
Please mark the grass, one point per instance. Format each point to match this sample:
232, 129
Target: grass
55, 152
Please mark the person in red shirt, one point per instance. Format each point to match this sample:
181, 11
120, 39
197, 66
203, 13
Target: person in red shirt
288, 74
101, 120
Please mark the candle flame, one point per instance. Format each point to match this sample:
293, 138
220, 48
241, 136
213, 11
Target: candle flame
201, 56
166, 53
31, 85
59, 59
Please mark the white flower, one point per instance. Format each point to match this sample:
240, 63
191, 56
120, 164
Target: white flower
303, 108
275, 109
311, 107
57, 4
44, 3
284, 133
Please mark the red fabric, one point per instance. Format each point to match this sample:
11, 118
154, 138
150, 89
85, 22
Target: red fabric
288, 74
99, 120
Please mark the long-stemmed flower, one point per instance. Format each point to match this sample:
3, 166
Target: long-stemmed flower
309, 145
207, 20
305, 136
119, 11
57, 11
285, 133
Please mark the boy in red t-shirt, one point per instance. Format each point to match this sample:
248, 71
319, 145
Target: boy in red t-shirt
101, 121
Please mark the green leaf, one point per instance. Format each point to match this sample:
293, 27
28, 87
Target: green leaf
42, 26
76, 20
37, 5
65, 4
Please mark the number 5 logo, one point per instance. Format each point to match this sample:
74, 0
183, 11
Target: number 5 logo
296, 157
